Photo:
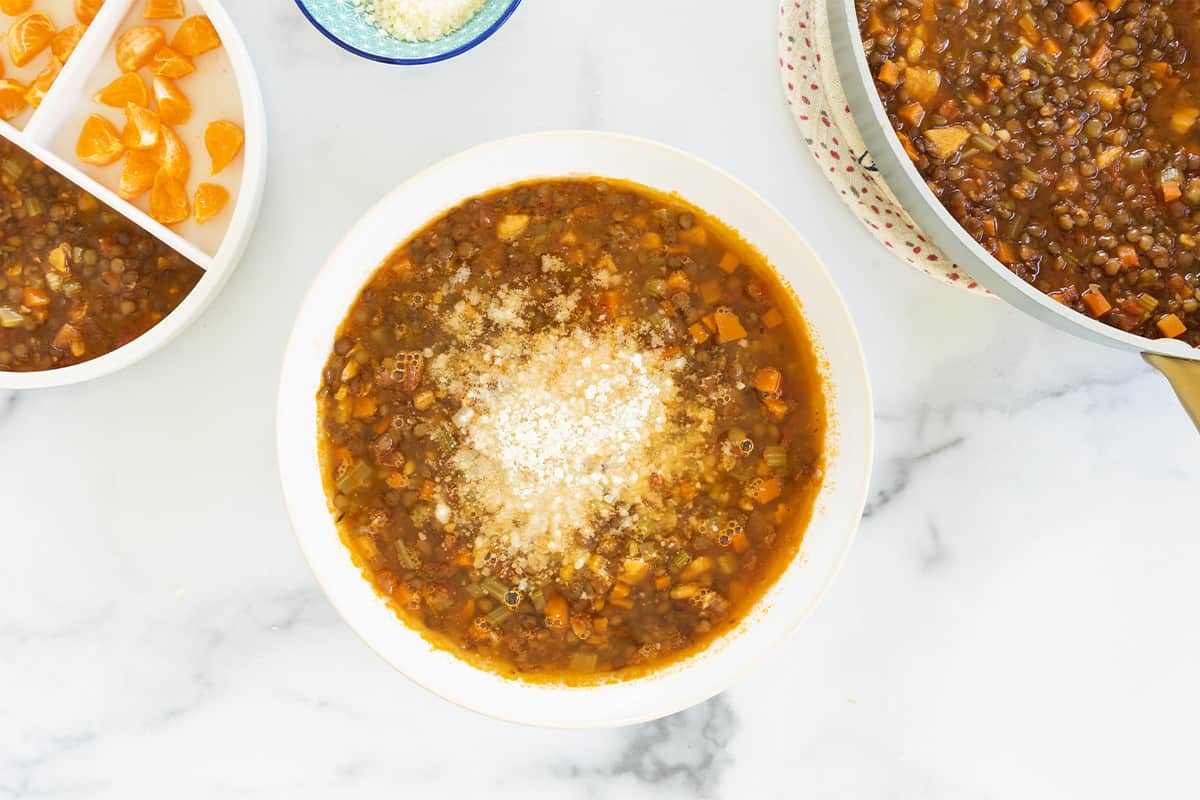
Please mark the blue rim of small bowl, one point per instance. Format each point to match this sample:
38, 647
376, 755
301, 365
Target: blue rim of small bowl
458, 51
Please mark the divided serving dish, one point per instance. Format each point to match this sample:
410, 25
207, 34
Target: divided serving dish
49, 131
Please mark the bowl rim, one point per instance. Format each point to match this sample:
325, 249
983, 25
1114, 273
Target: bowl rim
458, 51
851, 418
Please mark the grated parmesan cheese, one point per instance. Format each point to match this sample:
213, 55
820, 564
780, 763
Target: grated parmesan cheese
418, 20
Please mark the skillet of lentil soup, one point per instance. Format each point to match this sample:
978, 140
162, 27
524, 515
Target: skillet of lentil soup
572, 430
1062, 137
77, 280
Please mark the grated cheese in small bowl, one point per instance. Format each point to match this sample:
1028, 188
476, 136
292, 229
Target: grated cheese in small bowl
418, 20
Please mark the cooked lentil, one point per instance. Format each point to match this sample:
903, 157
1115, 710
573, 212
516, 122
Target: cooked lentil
572, 430
1062, 137
77, 280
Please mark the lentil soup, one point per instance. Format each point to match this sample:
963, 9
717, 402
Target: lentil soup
77, 280
1062, 137
572, 430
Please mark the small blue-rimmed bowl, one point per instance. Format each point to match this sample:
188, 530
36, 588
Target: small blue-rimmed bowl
345, 26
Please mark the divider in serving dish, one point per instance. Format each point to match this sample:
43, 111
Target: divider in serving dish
49, 133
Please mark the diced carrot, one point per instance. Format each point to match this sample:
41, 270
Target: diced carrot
889, 73
910, 149
875, 24
773, 318
35, 298
729, 327
949, 109
428, 487
764, 490
1005, 253
922, 84
679, 281
1029, 27
729, 262
1128, 255
768, 380
662, 581
1170, 191
1184, 118
912, 113
699, 332
651, 241
710, 321
1100, 55
696, 235
1082, 13
1058, 297
555, 611
775, 407
929, 10
710, 291
463, 558
1097, 304
1171, 326
989, 225
1051, 47
364, 407
1159, 69
600, 624
739, 542
1114, 5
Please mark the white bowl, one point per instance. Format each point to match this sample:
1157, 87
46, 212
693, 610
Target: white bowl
49, 135
839, 505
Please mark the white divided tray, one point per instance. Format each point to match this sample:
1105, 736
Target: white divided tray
50, 131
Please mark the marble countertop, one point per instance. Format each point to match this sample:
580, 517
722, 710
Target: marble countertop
1016, 618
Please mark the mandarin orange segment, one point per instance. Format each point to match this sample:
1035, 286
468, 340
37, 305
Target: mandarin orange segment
12, 99
211, 199
66, 40
129, 88
86, 10
173, 106
141, 128
163, 9
168, 199
136, 46
137, 174
173, 155
36, 91
14, 7
223, 140
99, 143
196, 35
169, 63
28, 36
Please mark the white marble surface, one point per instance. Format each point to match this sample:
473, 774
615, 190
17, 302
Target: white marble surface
1017, 618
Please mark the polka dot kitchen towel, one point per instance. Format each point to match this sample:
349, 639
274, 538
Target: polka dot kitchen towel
818, 103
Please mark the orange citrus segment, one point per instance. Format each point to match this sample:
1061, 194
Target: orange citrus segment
137, 46
129, 88
173, 105
13, 7
141, 128
196, 35
12, 98
223, 140
36, 91
172, 155
28, 36
86, 10
99, 143
168, 199
168, 63
66, 40
137, 174
163, 9
210, 201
